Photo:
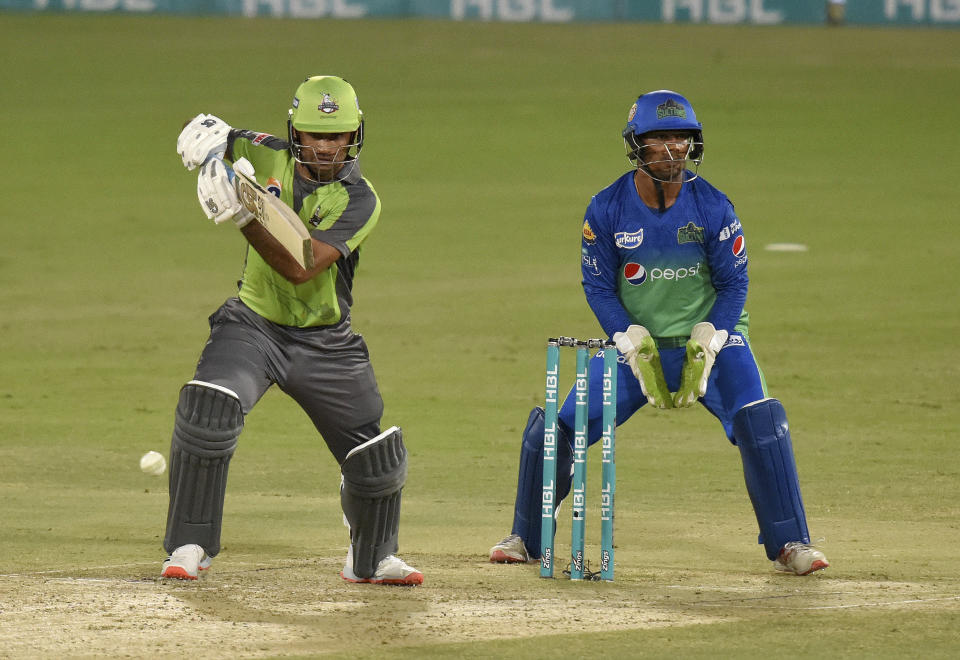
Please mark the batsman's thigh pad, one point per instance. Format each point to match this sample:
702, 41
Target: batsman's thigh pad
763, 436
208, 422
373, 476
528, 506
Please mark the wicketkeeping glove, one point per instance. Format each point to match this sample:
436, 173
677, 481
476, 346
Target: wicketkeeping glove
638, 347
217, 195
204, 137
702, 348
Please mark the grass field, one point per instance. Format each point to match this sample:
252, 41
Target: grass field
485, 142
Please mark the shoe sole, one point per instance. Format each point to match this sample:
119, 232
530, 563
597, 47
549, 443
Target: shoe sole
176, 573
411, 580
180, 573
817, 565
501, 557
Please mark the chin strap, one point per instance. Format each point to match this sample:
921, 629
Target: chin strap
661, 202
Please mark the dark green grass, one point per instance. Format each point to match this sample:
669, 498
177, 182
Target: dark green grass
485, 142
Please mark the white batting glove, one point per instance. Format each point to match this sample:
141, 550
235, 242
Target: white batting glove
641, 353
204, 137
216, 193
702, 348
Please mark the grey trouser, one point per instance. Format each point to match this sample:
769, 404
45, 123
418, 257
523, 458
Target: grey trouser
327, 371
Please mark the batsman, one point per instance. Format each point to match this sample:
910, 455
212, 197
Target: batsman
290, 327
664, 269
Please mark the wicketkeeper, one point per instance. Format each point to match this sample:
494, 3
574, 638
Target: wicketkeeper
664, 265
291, 327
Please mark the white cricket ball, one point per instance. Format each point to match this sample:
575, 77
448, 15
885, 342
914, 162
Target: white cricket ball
153, 463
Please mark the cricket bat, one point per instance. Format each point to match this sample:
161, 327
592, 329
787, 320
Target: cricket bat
277, 218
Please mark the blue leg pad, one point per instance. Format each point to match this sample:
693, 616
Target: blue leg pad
527, 509
763, 436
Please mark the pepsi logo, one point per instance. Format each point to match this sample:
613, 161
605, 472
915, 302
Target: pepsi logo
739, 246
635, 274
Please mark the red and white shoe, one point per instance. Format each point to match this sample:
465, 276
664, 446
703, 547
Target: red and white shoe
390, 570
800, 559
185, 563
510, 550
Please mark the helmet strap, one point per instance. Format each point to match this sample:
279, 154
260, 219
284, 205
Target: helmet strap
661, 202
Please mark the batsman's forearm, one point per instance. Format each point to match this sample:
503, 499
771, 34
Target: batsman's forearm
282, 261
274, 253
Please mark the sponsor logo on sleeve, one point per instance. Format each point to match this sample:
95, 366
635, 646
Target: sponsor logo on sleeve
628, 240
260, 137
739, 246
730, 230
690, 233
590, 264
588, 234
739, 249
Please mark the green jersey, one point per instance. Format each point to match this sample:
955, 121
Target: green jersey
340, 213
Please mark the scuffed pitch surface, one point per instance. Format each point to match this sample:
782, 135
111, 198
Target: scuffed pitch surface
297, 607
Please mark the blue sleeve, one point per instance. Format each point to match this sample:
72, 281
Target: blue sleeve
599, 267
727, 253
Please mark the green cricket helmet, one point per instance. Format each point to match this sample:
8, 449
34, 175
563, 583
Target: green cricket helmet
326, 104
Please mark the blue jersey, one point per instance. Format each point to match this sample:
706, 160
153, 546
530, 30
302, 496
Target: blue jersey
666, 271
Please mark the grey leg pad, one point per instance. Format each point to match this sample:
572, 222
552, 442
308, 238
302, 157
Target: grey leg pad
208, 422
373, 476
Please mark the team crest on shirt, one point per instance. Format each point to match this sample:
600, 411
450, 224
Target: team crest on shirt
634, 274
317, 217
628, 240
273, 187
328, 105
588, 234
691, 233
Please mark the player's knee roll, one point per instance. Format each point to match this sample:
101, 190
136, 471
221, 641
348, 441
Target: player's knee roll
373, 477
761, 420
208, 421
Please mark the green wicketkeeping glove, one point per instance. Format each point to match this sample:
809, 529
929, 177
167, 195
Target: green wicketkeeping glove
702, 348
638, 348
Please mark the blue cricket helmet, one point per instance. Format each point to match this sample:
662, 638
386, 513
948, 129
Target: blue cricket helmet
662, 110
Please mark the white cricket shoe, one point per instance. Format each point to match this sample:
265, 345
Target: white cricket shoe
510, 550
390, 570
800, 559
185, 562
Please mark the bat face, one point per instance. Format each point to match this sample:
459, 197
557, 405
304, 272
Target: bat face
278, 219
